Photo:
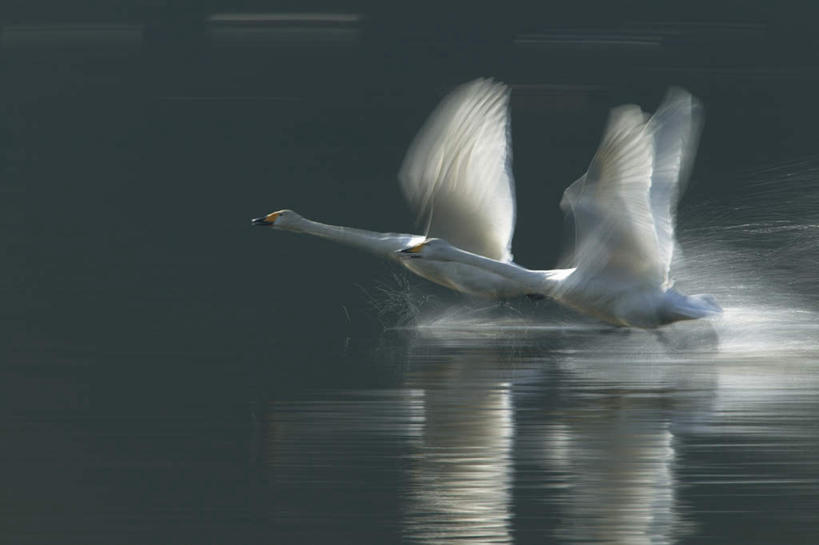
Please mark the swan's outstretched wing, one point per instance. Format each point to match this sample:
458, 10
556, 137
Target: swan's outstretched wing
457, 173
675, 128
623, 207
614, 226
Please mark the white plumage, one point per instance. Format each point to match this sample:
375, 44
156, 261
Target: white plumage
457, 177
457, 173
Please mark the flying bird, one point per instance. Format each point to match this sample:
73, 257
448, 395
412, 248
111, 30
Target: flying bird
457, 177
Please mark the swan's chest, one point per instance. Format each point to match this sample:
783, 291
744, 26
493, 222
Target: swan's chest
613, 302
465, 278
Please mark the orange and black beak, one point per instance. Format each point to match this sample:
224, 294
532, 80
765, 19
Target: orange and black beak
269, 219
412, 251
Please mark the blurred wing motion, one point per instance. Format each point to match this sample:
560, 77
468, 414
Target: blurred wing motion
624, 206
457, 173
675, 128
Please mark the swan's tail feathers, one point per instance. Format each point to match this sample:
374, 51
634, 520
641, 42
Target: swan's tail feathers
689, 307
708, 302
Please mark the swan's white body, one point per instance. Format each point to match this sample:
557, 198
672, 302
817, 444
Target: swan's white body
457, 176
617, 300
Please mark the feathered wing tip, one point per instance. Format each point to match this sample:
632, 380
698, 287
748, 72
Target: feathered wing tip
443, 134
676, 128
623, 209
607, 207
624, 120
456, 174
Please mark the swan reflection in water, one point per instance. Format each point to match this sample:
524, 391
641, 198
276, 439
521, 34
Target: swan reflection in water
575, 434
461, 474
571, 434
541, 412
478, 420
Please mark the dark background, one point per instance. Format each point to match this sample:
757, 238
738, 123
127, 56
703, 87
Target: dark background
138, 138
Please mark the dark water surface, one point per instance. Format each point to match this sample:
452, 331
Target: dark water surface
170, 375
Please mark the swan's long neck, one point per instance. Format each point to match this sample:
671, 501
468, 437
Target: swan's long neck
542, 282
385, 244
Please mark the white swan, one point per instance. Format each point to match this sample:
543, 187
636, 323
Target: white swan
623, 210
457, 177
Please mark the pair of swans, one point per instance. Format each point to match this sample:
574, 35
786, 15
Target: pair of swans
457, 177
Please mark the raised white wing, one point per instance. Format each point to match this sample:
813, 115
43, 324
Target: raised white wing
457, 173
614, 226
675, 128
624, 206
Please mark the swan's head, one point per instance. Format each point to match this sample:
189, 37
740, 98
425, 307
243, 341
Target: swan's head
280, 220
434, 249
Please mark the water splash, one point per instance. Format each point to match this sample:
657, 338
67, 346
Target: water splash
757, 253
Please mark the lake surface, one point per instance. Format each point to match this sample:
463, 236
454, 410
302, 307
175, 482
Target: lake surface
468, 428
169, 374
